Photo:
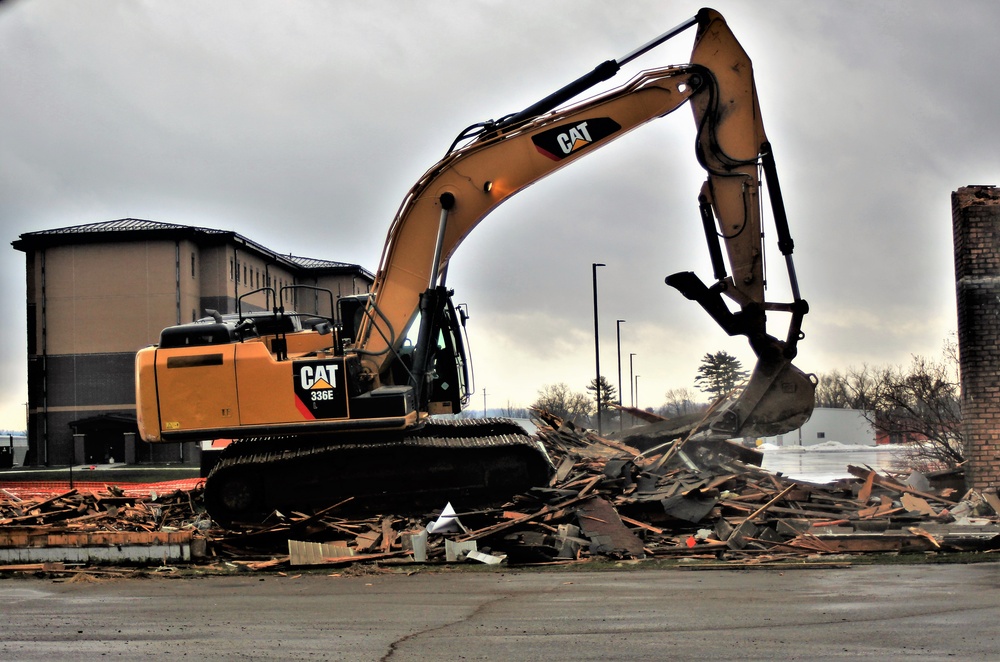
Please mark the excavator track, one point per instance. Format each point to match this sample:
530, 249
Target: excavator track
473, 463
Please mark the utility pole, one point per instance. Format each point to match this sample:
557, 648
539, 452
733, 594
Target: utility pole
631, 382
621, 418
597, 351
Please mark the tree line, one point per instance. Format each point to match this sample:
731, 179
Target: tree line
918, 403
718, 374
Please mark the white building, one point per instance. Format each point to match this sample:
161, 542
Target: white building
846, 426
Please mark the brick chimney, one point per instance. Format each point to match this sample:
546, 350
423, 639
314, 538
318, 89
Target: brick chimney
975, 214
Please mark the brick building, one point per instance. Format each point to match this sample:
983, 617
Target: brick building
976, 226
97, 293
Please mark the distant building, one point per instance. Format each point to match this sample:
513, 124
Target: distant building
98, 293
846, 426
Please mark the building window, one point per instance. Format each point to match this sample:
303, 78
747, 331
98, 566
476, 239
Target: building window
192, 265
231, 269
821, 435
245, 274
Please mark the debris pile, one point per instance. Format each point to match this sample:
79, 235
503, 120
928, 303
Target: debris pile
85, 527
605, 500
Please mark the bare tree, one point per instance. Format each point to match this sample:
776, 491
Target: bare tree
921, 404
854, 389
510, 411
831, 391
563, 402
917, 404
680, 401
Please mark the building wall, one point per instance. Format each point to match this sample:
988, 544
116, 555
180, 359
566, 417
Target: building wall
99, 298
846, 426
216, 288
976, 227
92, 305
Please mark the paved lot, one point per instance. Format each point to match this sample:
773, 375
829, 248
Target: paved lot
881, 612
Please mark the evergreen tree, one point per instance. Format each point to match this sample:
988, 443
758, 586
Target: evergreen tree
609, 394
719, 373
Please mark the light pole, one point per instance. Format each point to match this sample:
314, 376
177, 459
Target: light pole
637, 391
631, 381
597, 350
618, 326
484, 403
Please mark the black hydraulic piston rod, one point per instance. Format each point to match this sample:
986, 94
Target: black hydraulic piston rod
712, 238
601, 73
431, 304
785, 243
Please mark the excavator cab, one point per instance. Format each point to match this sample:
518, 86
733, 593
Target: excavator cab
444, 383
449, 367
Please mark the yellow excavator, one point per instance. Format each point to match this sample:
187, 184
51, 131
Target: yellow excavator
343, 409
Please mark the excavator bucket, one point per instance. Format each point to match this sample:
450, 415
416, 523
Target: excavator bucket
777, 399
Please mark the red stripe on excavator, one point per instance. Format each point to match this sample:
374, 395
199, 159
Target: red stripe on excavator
304, 410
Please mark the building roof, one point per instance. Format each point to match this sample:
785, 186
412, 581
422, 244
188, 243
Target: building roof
317, 263
136, 229
121, 225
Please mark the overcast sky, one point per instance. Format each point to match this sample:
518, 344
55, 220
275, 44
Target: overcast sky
301, 125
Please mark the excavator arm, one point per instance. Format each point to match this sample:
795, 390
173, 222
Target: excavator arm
502, 158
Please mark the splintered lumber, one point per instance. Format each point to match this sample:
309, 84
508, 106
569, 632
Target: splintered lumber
770, 503
42, 505
866, 490
501, 526
896, 486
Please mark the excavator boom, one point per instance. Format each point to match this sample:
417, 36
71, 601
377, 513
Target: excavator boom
505, 157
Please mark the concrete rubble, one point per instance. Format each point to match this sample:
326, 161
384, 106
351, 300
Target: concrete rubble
606, 500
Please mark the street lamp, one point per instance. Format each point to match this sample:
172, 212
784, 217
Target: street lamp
597, 350
631, 381
618, 326
637, 391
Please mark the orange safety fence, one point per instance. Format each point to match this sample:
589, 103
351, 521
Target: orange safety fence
46, 488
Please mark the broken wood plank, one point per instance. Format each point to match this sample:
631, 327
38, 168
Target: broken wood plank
896, 486
641, 525
502, 526
916, 504
866, 490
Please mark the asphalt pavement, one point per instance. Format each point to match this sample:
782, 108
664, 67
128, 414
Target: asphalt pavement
918, 612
